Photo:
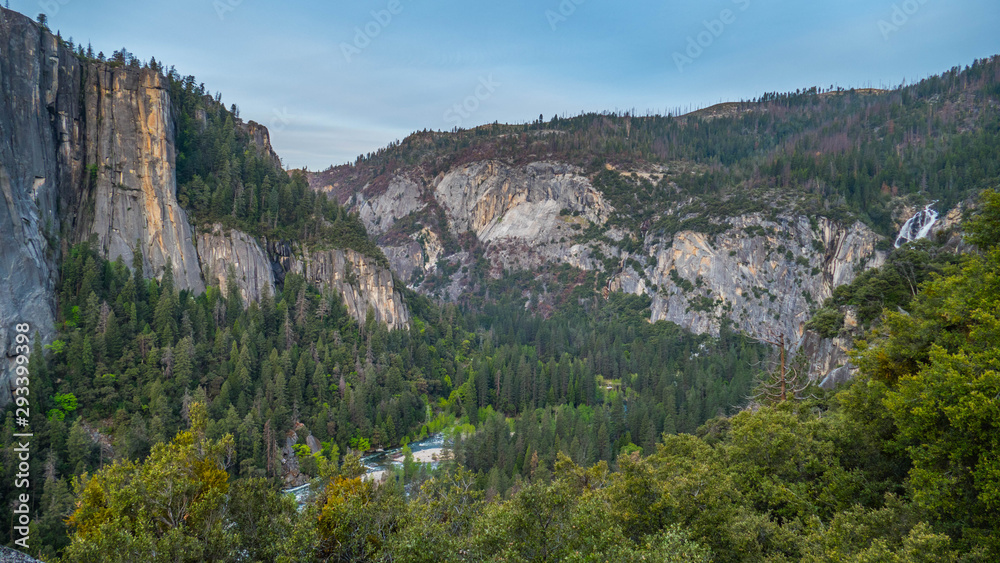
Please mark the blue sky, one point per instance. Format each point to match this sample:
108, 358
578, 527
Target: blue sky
329, 94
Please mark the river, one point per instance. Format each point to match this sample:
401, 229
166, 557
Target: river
429, 450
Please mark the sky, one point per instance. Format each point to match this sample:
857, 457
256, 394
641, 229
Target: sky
336, 79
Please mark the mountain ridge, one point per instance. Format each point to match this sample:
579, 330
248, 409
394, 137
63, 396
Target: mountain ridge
653, 204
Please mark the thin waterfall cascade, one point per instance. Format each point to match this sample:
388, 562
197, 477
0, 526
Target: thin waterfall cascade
919, 226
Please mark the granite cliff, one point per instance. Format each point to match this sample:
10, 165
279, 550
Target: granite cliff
36, 124
235, 256
755, 269
127, 135
88, 152
364, 284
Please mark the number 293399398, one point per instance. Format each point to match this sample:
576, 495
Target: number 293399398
22, 442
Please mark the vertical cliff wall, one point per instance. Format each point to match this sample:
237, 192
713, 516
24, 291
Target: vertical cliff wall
130, 195
360, 280
84, 149
38, 101
235, 254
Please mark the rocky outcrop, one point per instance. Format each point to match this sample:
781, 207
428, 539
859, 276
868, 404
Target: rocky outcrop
360, 281
497, 201
768, 270
37, 116
235, 256
829, 360
293, 476
363, 283
8, 555
408, 260
260, 137
380, 212
128, 134
759, 273
523, 214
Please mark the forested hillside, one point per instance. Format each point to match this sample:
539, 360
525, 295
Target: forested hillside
897, 466
749, 214
168, 423
225, 175
832, 151
134, 354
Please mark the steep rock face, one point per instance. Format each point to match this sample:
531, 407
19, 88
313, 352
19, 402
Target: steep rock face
359, 279
222, 254
408, 259
522, 214
762, 271
759, 273
380, 213
533, 205
261, 139
37, 113
130, 151
828, 358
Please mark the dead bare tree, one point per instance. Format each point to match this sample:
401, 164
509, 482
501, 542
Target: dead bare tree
785, 380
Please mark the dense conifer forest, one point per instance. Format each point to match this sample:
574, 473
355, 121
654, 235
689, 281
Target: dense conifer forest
898, 465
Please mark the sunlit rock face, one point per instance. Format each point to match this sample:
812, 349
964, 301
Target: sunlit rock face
131, 203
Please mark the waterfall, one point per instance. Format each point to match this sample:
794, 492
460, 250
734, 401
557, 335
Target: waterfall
918, 226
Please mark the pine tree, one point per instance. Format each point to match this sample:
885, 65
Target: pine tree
164, 319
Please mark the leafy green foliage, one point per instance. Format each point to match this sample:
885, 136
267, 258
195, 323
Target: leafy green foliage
182, 490
890, 287
827, 322
984, 229
941, 364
